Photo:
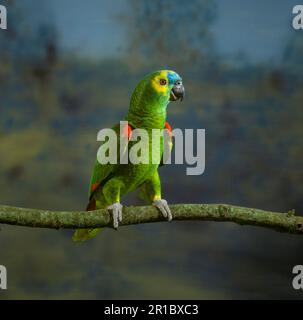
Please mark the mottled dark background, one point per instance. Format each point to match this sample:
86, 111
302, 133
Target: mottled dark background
67, 69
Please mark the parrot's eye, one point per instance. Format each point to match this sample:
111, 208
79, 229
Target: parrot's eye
163, 82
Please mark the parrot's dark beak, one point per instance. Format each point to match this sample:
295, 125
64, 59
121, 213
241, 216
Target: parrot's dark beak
177, 92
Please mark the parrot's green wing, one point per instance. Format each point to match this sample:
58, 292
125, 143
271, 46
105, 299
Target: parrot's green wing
102, 171
99, 176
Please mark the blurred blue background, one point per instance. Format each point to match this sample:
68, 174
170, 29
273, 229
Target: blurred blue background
68, 68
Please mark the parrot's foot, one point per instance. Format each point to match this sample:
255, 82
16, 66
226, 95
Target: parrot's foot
162, 205
116, 210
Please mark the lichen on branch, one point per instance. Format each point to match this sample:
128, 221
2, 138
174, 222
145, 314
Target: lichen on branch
284, 222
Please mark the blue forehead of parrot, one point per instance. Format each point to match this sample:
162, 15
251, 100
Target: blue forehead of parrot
173, 77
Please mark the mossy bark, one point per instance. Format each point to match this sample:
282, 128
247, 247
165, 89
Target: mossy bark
284, 222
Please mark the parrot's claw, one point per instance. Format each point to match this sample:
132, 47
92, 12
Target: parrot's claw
162, 205
116, 210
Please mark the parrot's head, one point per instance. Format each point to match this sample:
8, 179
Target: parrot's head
166, 85
156, 90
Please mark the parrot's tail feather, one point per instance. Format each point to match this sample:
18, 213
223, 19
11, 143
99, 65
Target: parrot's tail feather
81, 235
91, 205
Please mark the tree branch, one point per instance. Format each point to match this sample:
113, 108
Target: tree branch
284, 222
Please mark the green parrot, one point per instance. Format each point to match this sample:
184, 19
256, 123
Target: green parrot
110, 181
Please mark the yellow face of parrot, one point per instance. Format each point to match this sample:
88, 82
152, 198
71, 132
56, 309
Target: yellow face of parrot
168, 83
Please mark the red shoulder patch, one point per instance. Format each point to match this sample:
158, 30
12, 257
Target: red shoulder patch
95, 186
127, 131
168, 127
